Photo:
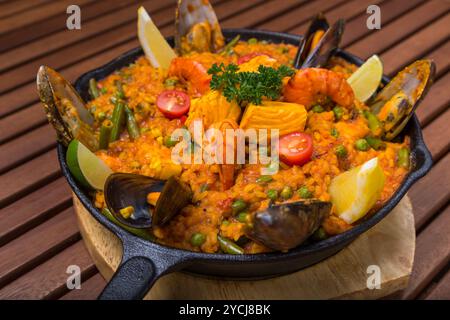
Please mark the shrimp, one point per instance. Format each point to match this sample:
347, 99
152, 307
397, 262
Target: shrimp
310, 85
192, 72
226, 170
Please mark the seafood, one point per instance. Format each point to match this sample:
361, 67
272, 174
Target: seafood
197, 27
226, 170
312, 85
285, 226
192, 72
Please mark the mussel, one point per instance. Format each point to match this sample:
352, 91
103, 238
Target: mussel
123, 190
65, 109
285, 226
197, 28
397, 101
319, 43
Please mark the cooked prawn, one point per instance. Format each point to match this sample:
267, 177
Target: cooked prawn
308, 86
226, 171
191, 72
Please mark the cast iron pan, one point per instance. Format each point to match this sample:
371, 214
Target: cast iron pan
143, 262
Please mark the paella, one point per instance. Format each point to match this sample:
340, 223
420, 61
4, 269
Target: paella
237, 146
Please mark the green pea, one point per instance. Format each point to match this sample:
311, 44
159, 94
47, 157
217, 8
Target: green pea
362, 145
170, 82
238, 206
338, 113
304, 193
101, 116
375, 143
252, 41
264, 179
403, 158
197, 239
272, 194
103, 90
226, 222
317, 108
340, 151
286, 193
319, 234
334, 132
204, 187
242, 217
168, 142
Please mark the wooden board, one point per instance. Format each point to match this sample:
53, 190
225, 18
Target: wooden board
390, 245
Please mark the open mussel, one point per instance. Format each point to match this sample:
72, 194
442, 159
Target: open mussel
65, 109
319, 43
126, 190
397, 101
285, 226
197, 28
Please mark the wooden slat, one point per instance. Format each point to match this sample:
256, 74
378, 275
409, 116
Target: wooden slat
90, 28
437, 135
441, 291
390, 10
416, 45
18, 7
21, 180
440, 57
90, 289
37, 245
33, 209
26, 146
36, 14
394, 32
432, 254
55, 23
49, 279
303, 14
431, 193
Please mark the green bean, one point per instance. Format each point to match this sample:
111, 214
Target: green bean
304, 193
93, 89
132, 126
238, 206
362, 145
264, 179
204, 187
197, 239
120, 93
375, 143
272, 194
229, 246
141, 233
374, 124
231, 44
340, 151
118, 119
403, 158
286, 192
317, 108
168, 142
105, 133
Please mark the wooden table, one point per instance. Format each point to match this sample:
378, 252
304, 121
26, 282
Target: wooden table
38, 232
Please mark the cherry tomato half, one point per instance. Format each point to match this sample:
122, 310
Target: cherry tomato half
250, 56
295, 148
173, 103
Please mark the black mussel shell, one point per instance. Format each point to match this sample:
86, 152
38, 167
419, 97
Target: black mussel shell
330, 41
319, 23
285, 226
396, 102
125, 189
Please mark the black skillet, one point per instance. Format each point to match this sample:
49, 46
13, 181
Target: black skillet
143, 262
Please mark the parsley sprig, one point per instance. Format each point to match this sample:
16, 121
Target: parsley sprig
248, 87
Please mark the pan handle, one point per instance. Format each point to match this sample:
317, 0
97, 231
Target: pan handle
132, 280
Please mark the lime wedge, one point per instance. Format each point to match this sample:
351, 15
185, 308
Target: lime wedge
354, 192
366, 80
156, 48
86, 167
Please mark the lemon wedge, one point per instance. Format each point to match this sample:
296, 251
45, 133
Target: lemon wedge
155, 47
354, 192
366, 80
